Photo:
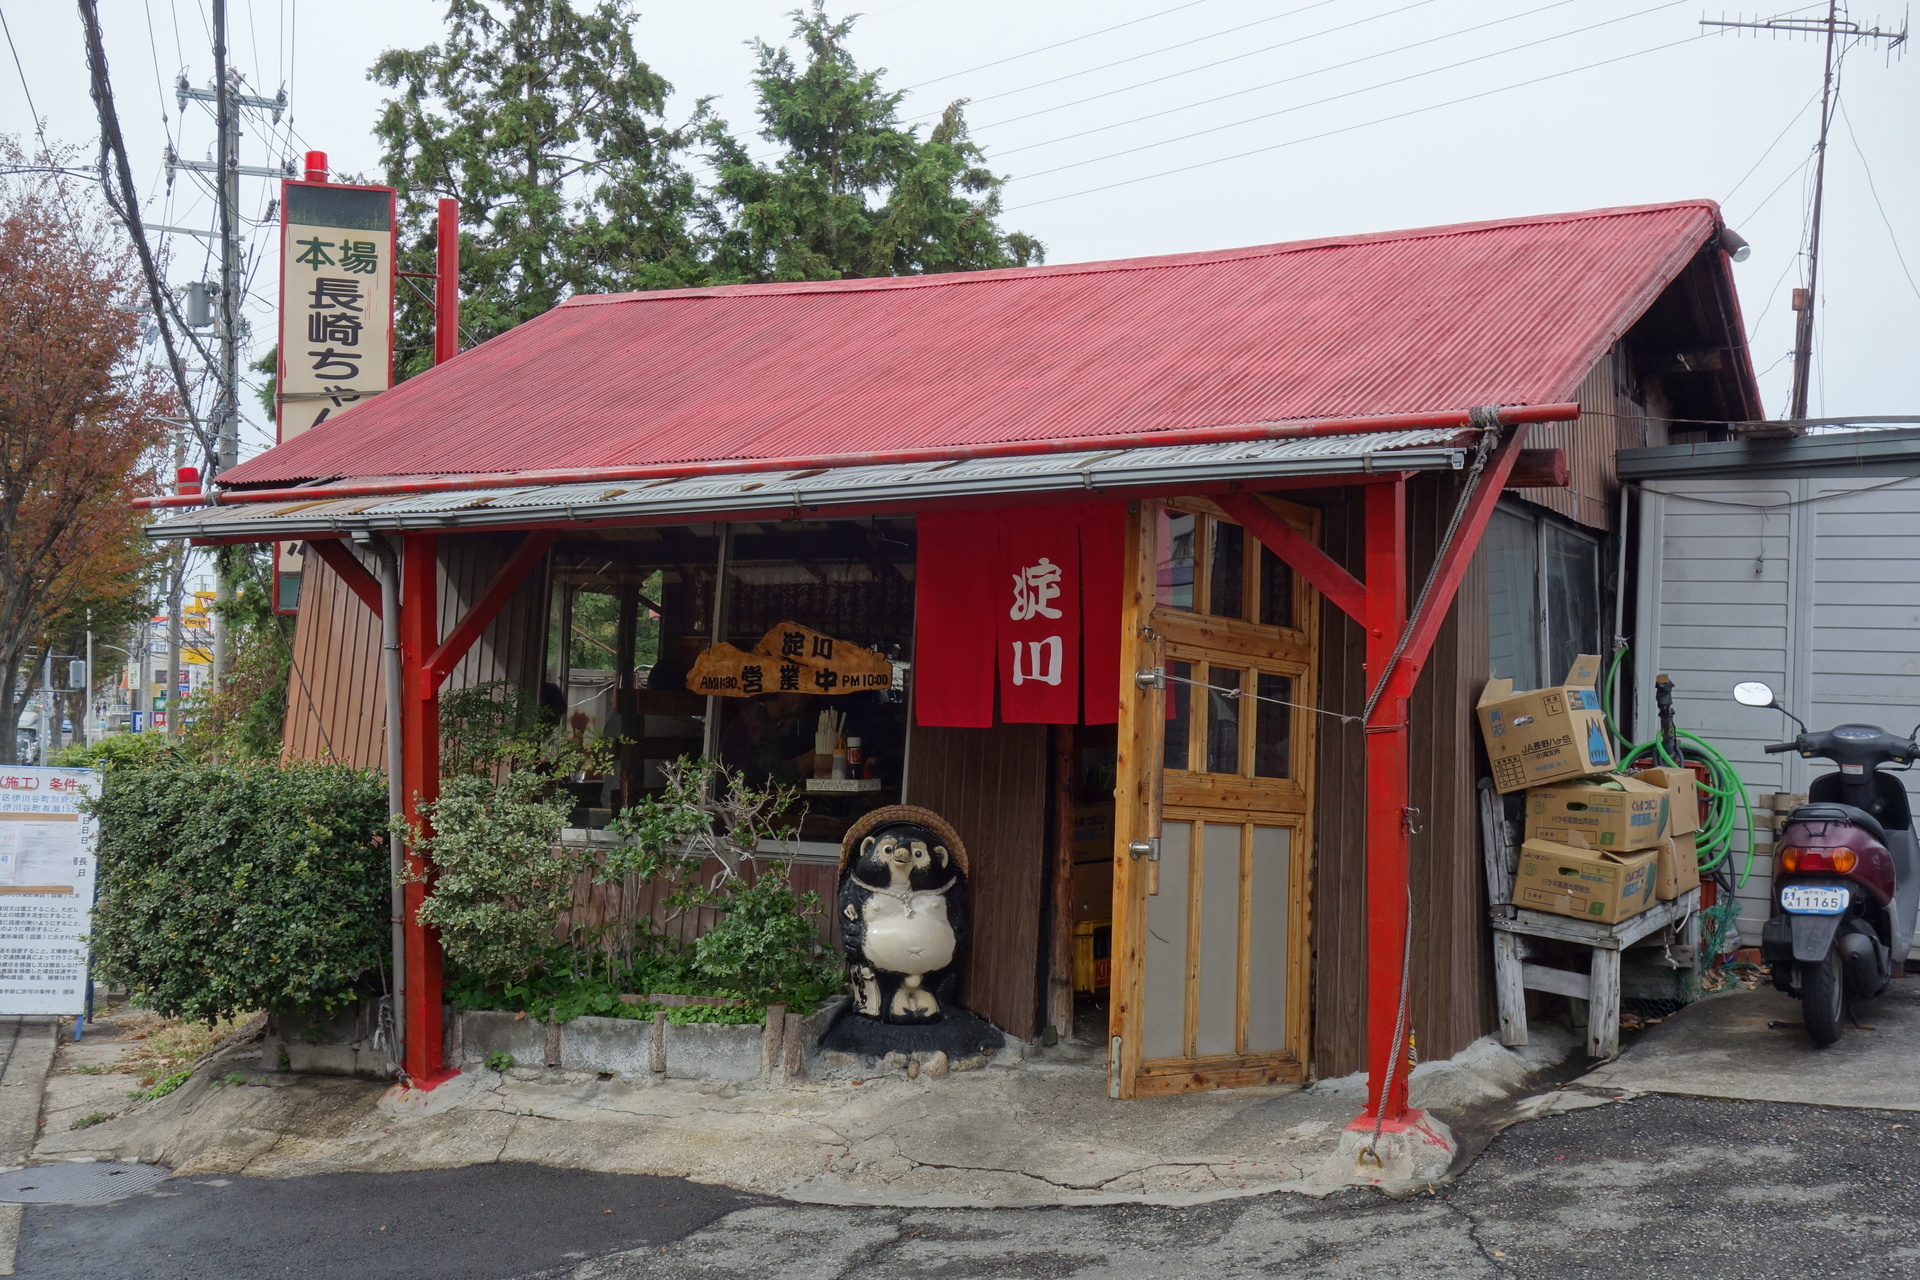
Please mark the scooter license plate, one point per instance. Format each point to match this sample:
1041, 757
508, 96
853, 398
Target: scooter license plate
1808, 900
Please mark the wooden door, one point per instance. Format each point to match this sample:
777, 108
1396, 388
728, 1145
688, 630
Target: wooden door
1212, 862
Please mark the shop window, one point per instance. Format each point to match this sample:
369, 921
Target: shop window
1273, 727
632, 614
1223, 719
1543, 596
1241, 579
1179, 715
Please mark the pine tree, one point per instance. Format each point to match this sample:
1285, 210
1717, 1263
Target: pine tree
856, 192
543, 121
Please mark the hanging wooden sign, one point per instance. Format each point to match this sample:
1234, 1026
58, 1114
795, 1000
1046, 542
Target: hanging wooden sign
789, 659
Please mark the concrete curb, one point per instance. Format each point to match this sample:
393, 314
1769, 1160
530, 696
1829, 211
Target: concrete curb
30, 1044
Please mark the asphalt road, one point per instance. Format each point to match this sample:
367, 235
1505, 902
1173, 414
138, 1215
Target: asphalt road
1653, 1188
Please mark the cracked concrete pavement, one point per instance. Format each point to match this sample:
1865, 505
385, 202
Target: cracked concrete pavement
1656, 1188
1040, 1133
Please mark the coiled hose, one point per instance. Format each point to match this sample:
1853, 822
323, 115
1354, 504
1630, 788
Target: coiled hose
1728, 807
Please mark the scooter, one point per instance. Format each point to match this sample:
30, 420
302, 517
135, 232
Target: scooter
1846, 871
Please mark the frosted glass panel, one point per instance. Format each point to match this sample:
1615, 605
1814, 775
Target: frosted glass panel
1165, 1014
1219, 1027
1267, 945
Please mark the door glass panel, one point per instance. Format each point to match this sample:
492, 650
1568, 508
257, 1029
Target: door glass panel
1179, 716
1513, 607
1268, 902
1226, 583
1273, 728
1164, 1030
1276, 591
1573, 599
1219, 1017
1223, 720
1174, 576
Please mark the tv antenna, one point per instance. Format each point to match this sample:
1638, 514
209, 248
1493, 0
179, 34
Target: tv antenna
1840, 32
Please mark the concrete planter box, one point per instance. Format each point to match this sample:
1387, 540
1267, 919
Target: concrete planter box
629, 1047
339, 1043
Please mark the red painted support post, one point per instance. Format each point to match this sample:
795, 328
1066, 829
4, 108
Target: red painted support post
420, 779
1386, 732
446, 284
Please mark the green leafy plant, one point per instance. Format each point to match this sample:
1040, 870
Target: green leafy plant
501, 878
500, 1060
763, 947
93, 1118
226, 889
161, 1088
121, 750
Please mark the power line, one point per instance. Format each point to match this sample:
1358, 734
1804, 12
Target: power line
1274, 84
1061, 44
1166, 49
1399, 115
1384, 84
1811, 99
1875, 191
37, 126
1205, 66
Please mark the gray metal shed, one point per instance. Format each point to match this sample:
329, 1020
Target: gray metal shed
1793, 561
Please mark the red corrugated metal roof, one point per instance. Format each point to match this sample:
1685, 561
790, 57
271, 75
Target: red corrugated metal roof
1511, 312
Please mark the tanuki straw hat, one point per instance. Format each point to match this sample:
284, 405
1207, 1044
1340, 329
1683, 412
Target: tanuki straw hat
896, 814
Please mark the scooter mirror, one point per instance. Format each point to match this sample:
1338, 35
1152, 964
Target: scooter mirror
1753, 693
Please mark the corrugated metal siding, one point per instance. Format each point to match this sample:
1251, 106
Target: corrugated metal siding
991, 784
335, 709
1590, 444
1451, 995
336, 706
1812, 585
1512, 312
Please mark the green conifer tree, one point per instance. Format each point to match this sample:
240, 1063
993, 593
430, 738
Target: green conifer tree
855, 191
543, 121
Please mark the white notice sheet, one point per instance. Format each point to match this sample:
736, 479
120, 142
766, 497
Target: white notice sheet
46, 888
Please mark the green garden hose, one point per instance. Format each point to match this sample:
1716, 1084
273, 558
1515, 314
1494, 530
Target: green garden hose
1728, 806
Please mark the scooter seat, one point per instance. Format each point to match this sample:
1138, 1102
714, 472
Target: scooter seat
1829, 811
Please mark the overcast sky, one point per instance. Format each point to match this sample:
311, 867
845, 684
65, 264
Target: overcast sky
1134, 127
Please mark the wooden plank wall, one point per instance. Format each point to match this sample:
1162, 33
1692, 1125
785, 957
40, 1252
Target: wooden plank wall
336, 708
597, 904
1451, 995
1615, 415
991, 784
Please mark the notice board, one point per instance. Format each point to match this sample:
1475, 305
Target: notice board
47, 848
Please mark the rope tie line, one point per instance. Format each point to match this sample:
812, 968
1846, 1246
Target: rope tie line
1226, 691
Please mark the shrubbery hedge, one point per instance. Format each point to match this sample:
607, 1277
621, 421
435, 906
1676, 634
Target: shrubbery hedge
230, 888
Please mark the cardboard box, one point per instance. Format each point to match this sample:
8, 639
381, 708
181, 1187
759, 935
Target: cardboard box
1678, 869
1591, 884
1612, 811
1683, 811
1545, 735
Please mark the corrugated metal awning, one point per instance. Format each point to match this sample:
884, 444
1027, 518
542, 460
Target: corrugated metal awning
804, 494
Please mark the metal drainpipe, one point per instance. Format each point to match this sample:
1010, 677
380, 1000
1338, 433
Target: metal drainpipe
389, 573
1620, 608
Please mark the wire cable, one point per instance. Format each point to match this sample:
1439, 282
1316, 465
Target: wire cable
1364, 124
1350, 93
1778, 138
1875, 191
1061, 44
1271, 84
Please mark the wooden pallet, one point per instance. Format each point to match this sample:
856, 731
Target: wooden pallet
1675, 921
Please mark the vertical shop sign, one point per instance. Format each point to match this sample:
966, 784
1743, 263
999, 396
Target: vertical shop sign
337, 247
1038, 620
47, 845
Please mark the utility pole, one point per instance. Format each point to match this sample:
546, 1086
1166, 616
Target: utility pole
227, 101
1839, 31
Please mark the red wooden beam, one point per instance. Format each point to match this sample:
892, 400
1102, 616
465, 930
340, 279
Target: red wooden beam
1541, 469
1386, 788
447, 654
1293, 547
1453, 568
351, 571
420, 784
